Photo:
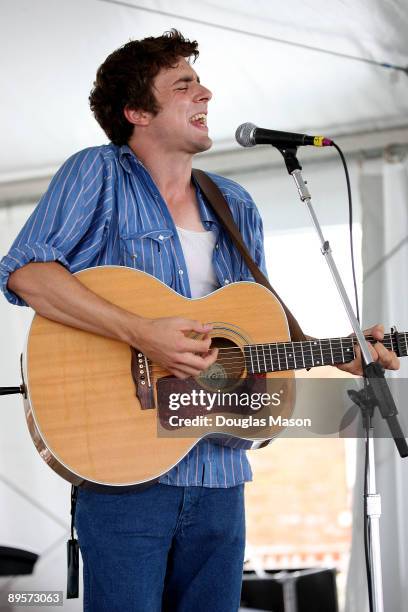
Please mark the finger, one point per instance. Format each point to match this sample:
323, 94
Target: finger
371, 348
187, 365
353, 367
184, 370
179, 374
192, 345
356, 366
210, 350
377, 332
211, 357
197, 362
196, 326
388, 359
395, 364
373, 351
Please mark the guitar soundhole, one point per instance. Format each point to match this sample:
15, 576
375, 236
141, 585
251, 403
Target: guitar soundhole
229, 367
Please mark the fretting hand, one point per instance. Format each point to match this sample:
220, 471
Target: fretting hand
385, 357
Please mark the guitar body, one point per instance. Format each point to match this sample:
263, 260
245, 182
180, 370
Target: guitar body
84, 415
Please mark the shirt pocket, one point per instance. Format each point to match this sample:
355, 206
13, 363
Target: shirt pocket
150, 251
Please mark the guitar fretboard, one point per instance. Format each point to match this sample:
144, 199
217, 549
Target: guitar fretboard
279, 356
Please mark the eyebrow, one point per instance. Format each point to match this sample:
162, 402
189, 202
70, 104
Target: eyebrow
185, 79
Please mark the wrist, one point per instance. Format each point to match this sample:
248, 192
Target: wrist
133, 329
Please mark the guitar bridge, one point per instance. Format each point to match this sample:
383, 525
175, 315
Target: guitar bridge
140, 370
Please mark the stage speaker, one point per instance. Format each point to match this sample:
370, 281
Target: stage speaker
302, 590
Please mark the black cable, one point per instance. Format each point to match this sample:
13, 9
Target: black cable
74, 495
350, 207
257, 35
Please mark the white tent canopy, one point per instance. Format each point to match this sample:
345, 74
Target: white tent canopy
51, 49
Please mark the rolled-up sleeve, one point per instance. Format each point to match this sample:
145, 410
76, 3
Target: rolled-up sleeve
56, 229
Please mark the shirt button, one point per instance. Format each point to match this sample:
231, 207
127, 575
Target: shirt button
217, 246
161, 237
181, 272
226, 282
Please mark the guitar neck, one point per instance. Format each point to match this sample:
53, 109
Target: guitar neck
280, 356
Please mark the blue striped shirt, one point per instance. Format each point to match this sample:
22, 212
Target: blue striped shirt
103, 208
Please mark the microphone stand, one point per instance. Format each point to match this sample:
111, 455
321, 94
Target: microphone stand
375, 393
11, 390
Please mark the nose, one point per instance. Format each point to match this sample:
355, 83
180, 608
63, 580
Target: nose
202, 93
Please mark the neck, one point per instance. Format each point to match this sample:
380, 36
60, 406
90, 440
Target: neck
280, 356
170, 170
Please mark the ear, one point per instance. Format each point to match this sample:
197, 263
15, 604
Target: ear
137, 117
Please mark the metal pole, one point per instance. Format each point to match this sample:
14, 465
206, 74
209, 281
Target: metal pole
373, 499
373, 516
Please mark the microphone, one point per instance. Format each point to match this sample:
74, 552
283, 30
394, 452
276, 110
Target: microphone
249, 135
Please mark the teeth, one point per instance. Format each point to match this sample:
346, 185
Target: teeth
200, 117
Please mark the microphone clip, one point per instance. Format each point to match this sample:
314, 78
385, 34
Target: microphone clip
289, 156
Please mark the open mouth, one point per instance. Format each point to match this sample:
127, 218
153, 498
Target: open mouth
199, 121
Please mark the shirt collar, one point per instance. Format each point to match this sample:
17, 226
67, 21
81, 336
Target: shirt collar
208, 217
125, 156
207, 214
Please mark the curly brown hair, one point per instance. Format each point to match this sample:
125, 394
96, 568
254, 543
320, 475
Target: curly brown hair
126, 79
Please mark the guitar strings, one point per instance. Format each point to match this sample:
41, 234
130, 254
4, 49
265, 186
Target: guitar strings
236, 370
280, 357
274, 364
306, 343
277, 356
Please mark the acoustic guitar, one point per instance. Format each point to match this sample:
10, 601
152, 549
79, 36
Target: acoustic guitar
92, 404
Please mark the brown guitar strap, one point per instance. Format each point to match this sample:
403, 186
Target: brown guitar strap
223, 212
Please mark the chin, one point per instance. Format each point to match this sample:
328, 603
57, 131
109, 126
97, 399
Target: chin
202, 146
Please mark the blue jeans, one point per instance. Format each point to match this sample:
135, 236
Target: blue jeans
176, 549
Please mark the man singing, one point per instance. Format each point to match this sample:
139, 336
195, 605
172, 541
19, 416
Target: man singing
179, 544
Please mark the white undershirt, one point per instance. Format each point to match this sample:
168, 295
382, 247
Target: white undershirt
198, 250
